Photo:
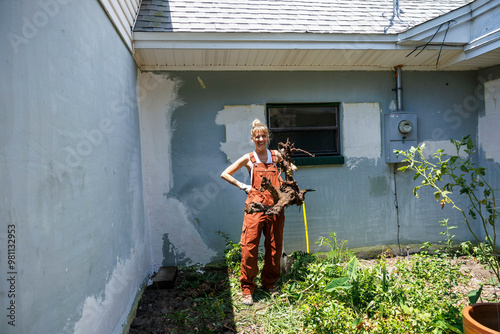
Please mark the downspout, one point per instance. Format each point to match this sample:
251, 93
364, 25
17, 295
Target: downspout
399, 101
399, 88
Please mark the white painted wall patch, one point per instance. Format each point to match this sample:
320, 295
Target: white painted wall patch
488, 126
238, 121
361, 132
165, 214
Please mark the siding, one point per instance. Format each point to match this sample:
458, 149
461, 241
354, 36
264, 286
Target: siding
123, 14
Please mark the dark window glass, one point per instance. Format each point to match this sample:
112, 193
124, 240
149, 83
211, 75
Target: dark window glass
313, 127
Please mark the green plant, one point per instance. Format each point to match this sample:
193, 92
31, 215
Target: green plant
417, 294
425, 247
428, 282
205, 306
482, 252
338, 248
179, 318
300, 268
449, 172
346, 281
232, 251
416, 297
474, 295
448, 243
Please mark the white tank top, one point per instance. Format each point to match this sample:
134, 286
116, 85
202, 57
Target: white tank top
269, 161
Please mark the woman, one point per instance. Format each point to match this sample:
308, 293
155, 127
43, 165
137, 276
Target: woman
259, 163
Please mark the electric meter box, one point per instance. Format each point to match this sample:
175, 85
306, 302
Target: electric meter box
400, 133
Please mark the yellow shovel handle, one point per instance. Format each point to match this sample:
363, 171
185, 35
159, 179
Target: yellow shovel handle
305, 225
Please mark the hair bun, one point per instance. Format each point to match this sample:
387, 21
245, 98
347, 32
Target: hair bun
256, 122
257, 125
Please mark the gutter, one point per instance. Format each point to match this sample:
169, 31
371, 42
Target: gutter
460, 30
269, 41
425, 31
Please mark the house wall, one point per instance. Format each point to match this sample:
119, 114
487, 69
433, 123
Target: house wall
489, 120
70, 162
204, 118
488, 123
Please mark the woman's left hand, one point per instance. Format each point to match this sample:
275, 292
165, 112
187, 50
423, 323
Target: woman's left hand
292, 170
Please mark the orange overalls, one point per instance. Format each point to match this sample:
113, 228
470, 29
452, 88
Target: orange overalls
256, 223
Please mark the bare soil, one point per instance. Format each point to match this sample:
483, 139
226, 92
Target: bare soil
181, 310
178, 310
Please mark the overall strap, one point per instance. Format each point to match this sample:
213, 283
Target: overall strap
252, 158
273, 155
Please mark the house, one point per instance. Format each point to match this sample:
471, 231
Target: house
117, 118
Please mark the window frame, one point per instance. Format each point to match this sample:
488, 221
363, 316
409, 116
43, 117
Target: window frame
331, 157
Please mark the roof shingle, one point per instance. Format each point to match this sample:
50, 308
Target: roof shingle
293, 16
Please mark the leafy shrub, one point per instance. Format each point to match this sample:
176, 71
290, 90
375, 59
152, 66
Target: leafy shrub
445, 174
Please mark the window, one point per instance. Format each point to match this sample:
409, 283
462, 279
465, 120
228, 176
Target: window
313, 127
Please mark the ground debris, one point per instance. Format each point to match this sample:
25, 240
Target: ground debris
200, 302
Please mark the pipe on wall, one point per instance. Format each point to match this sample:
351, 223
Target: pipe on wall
399, 88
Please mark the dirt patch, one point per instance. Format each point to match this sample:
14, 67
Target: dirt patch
188, 307
478, 275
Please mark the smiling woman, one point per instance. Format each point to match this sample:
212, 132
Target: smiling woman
262, 165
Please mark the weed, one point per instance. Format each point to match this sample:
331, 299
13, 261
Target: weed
232, 251
299, 269
338, 248
424, 249
448, 243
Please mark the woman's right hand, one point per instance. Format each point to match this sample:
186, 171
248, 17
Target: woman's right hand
245, 187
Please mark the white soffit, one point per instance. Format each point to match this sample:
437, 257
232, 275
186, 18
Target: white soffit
252, 51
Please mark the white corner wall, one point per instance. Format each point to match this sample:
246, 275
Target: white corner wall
168, 218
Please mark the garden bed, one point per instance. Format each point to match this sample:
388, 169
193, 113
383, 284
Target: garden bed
208, 300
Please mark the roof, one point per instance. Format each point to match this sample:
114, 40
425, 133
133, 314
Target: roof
317, 35
290, 16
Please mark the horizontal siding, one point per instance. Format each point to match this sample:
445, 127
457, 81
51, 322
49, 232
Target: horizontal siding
122, 14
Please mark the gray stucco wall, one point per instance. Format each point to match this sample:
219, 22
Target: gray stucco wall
488, 124
70, 162
356, 200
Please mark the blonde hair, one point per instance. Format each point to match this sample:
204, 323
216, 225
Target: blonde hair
258, 126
